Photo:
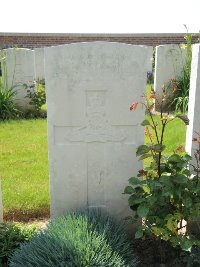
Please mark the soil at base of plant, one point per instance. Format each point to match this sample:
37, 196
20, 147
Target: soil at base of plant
155, 253
28, 216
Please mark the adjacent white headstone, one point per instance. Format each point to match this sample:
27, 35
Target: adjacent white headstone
39, 63
194, 102
92, 134
169, 62
20, 71
1, 205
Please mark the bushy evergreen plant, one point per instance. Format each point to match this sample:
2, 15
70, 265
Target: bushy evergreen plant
78, 240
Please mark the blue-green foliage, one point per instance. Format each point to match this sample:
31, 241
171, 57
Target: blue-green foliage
77, 240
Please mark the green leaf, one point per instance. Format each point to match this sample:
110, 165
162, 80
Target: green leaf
180, 179
153, 165
156, 230
175, 158
129, 190
134, 180
187, 202
186, 245
177, 216
146, 188
145, 156
166, 180
139, 233
152, 199
158, 147
133, 200
143, 149
145, 123
172, 224
187, 157
156, 158
167, 192
143, 210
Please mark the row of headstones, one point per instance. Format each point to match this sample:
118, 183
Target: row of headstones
24, 66
92, 135
21, 67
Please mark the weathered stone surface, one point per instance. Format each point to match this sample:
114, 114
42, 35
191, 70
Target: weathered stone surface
39, 63
20, 71
92, 133
169, 61
194, 99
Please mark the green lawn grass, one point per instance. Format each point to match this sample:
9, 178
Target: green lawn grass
24, 168
24, 165
174, 134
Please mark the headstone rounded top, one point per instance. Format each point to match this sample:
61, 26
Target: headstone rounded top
100, 43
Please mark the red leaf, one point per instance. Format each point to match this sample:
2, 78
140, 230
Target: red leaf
153, 96
143, 172
151, 107
134, 106
180, 149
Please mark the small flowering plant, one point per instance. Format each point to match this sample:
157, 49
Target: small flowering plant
166, 194
37, 95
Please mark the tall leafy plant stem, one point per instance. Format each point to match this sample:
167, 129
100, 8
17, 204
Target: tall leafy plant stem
154, 124
164, 122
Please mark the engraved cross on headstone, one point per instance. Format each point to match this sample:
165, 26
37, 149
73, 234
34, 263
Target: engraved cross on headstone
96, 131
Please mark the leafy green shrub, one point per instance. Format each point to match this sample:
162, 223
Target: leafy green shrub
8, 109
11, 236
166, 194
77, 240
194, 259
37, 95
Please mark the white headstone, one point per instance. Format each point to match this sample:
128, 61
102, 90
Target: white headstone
194, 101
39, 63
169, 62
20, 70
92, 134
1, 205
